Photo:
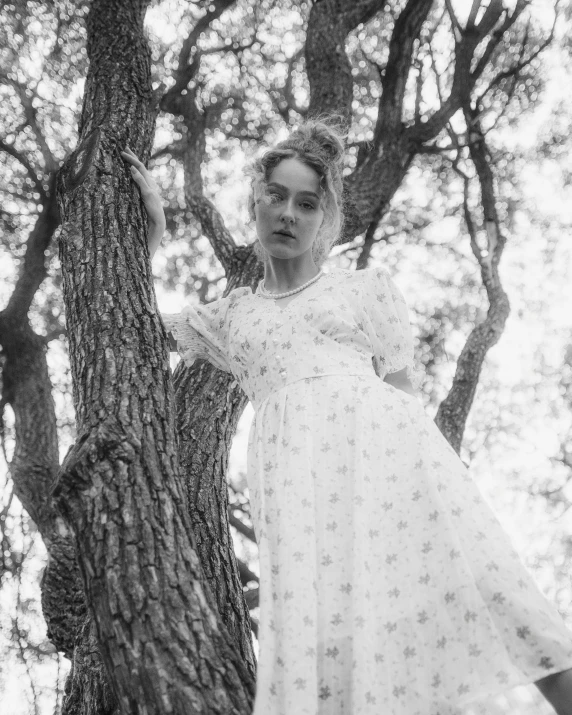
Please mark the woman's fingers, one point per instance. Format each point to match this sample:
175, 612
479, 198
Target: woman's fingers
141, 181
134, 161
137, 175
150, 192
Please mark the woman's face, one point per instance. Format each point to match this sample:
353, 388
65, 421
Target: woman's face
289, 202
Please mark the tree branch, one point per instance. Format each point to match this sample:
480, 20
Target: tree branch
514, 70
31, 115
189, 56
241, 526
405, 32
453, 411
33, 269
287, 90
181, 99
463, 80
496, 38
327, 64
21, 158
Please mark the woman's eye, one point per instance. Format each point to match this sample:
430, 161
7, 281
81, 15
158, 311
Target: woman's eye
307, 205
274, 197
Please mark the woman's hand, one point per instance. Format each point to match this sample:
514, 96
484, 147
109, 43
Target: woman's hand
151, 196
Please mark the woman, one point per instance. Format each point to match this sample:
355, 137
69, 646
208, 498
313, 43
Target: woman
387, 585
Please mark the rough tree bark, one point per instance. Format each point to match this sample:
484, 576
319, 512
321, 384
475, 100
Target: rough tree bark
120, 489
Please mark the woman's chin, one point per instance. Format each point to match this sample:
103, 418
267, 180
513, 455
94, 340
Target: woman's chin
280, 249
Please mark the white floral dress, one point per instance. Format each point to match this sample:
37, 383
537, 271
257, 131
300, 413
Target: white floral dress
387, 585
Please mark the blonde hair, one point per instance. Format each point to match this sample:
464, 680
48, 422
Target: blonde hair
320, 144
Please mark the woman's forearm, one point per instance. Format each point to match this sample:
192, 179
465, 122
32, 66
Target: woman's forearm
154, 236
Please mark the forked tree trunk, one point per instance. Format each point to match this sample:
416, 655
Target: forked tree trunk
163, 645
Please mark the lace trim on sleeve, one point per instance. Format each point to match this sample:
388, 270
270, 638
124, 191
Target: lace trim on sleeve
192, 342
415, 375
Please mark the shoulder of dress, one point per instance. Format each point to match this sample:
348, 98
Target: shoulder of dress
377, 271
338, 277
343, 273
365, 275
378, 277
221, 305
240, 292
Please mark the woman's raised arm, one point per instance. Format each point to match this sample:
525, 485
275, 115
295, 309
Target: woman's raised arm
151, 196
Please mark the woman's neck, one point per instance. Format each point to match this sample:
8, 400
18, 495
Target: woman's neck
282, 276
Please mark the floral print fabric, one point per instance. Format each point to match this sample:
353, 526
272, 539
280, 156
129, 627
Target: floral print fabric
387, 584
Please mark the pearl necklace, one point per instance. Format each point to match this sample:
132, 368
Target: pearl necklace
265, 294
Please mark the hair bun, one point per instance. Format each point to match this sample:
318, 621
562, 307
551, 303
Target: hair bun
324, 137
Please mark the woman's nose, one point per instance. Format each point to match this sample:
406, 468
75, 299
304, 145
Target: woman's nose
288, 211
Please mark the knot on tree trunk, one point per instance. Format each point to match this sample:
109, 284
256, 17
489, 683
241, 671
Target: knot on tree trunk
87, 690
99, 449
77, 167
63, 597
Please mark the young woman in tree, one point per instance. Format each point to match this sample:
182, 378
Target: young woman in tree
387, 585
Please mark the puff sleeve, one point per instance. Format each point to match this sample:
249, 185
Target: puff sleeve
388, 326
201, 331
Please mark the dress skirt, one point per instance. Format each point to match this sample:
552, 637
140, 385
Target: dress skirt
387, 584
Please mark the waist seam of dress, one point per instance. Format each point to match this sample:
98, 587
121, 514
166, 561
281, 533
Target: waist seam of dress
344, 373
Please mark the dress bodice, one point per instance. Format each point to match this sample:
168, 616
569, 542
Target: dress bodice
347, 322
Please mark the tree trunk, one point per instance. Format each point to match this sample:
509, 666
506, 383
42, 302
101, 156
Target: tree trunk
163, 645
208, 410
453, 411
329, 24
